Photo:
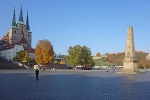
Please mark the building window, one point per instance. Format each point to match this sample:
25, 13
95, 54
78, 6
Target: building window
22, 26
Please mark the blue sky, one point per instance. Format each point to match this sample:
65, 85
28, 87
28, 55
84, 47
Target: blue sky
100, 25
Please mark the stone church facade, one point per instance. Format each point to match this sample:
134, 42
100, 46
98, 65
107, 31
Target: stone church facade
19, 32
18, 38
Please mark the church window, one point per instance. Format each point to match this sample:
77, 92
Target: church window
22, 26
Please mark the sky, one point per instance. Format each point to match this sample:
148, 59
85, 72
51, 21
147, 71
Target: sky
101, 25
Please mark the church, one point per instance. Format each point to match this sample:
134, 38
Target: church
18, 37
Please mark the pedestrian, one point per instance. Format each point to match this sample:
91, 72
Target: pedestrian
37, 74
113, 70
107, 69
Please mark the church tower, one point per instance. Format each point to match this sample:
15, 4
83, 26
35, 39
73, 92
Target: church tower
29, 33
12, 29
20, 31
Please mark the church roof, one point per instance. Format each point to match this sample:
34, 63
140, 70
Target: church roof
27, 23
8, 47
23, 40
29, 50
21, 16
5, 38
14, 20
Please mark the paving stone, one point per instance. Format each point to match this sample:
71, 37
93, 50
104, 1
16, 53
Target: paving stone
73, 85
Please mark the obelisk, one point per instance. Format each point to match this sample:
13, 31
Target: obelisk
130, 60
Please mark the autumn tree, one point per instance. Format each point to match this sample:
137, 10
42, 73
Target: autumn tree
22, 56
79, 55
62, 61
117, 58
44, 52
56, 62
98, 55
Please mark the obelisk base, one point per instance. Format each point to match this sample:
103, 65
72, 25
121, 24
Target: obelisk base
129, 68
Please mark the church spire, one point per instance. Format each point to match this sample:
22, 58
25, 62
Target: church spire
21, 16
27, 22
14, 19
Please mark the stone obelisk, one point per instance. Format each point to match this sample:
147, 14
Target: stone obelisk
130, 60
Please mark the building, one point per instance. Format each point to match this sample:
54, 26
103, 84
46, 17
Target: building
148, 57
96, 58
8, 52
18, 37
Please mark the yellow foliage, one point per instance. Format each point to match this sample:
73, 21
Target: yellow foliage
44, 52
98, 54
55, 62
62, 62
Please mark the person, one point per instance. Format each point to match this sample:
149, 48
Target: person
113, 70
107, 69
37, 74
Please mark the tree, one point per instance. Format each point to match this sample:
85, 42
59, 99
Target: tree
91, 62
44, 52
98, 55
79, 55
62, 62
26, 57
22, 56
55, 62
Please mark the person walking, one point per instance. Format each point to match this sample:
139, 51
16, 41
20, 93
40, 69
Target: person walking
113, 70
107, 69
37, 74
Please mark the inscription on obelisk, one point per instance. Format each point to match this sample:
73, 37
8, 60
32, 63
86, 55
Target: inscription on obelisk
130, 61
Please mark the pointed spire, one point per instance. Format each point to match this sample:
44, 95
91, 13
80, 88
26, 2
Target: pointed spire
27, 22
21, 16
14, 19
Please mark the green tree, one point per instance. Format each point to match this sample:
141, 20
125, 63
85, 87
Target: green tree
26, 57
91, 62
79, 55
44, 52
22, 56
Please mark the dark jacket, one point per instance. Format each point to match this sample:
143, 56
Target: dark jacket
37, 72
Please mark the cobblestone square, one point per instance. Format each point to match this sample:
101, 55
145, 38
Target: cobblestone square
73, 85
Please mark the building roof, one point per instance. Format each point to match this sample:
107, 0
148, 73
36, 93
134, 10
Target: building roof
6, 38
27, 23
23, 40
14, 20
21, 15
29, 50
8, 47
